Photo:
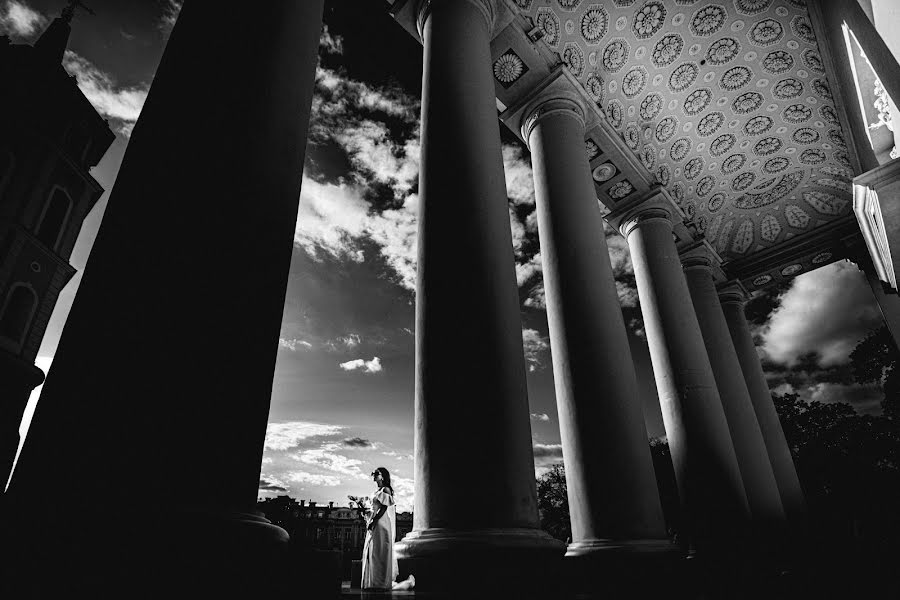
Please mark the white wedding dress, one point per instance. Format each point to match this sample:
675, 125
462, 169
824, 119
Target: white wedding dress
379, 565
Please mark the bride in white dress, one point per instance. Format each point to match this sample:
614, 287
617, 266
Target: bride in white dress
379, 565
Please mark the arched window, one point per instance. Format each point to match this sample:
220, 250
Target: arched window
18, 310
53, 220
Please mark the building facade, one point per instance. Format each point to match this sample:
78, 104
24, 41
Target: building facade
50, 138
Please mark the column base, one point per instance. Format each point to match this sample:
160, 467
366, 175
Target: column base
625, 568
481, 561
606, 547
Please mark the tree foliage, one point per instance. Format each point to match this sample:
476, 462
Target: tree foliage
874, 360
553, 503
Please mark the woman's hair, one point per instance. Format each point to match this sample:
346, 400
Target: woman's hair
385, 476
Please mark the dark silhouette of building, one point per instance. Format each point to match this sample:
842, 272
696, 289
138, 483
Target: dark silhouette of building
50, 137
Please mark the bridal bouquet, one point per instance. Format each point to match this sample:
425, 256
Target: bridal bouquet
361, 504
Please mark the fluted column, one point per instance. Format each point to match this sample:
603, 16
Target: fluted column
712, 493
151, 422
613, 499
475, 488
733, 300
756, 470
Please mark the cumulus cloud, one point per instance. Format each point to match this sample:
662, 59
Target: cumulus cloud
330, 44
366, 366
334, 219
122, 104
317, 479
825, 312
527, 270
540, 416
545, 456
326, 457
537, 298
294, 345
20, 20
534, 345
284, 436
519, 178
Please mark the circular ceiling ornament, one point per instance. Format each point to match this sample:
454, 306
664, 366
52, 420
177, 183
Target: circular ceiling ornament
634, 81
762, 280
796, 113
683, 77
735, 78
752, 7
821, 257
710, 124
777, 62
604, 172
666, 128
615, 55
680, 149
648, 19
716, 201
594, 24
614, 113
791, 269
708, 20
697, 101
722, 144
758, 125
723, 51
776, 165
747, 103
693, 168
766, 33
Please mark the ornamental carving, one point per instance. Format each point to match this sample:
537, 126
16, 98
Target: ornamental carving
766, 33
697, 101
680, 149
650, 106
758, 125
573, 57
705, 186
722, 144
614, 113
812, 156
787, 89
693, 168
769, 228
733, 164
648, 157
796, 216
710, 124
802, 28
683, 77
716, 201
665, 129
776, 165
735, 78
806, 135
752, 7
634, 82
767, 145
743, 181
667, 50
648, 19
708, 20
747, 103
548, 22
743, 238
797, 113
722, 51
812, 60
508, 68
594, 85
621, 189
615, 55
825, 203
777, 62
594, 24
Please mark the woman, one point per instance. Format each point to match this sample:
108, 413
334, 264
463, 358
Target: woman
379, 566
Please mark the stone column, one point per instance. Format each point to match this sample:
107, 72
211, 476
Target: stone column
732, 300
613, 499
475, 484
714, 502
144, 452
756, 470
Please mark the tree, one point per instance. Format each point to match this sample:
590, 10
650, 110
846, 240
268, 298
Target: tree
874, 360
553, 503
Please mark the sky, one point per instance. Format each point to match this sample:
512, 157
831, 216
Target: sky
342, 399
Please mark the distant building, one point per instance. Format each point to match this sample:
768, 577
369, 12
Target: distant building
50, 137
327, 527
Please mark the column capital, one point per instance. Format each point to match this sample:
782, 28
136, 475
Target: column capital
733, 292
701, 255
486, 7
548, 103
653, 205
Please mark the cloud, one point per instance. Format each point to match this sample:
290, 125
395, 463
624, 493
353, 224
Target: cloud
545, 456
294, 344
271, 484
327, 458
314, 478
284, 436
540, 416
519, 178
335, 218
170, 11
358, 442
534, 345
330, 44
537, 298
367, 366
864, 398
404, 492
123, 104
825, 312
19, 19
